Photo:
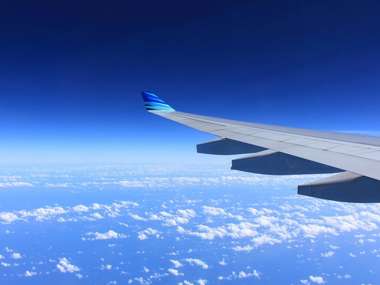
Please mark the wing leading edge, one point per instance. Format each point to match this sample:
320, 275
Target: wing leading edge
276, 150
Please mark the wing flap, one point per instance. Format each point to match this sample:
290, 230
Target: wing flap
227, 147
277, 163
343, 187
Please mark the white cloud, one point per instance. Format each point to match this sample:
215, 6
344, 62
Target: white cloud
222, 262
106, 267
176, 263
264, 240
187, 213
65, 266
182, 216
253, 211
174, 272
205, 232
364, 220
41, 214
7, 217
197, 262
214, 211
241, 275
140, 280
69, 214
329, 253
16, 255
143, 235
345, 276
8, 250
317, 279
80, 208
234, 231
313, 230
288, 222
29, 273
97, 216
245, 248
137, 217
105, 236
254, 273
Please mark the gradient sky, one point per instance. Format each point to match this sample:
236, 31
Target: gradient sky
71, 73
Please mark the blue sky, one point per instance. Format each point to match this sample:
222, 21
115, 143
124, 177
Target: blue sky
72, 73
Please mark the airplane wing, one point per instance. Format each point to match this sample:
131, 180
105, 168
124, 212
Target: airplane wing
353, 160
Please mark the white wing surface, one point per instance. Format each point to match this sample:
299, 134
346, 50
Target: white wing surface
276, 150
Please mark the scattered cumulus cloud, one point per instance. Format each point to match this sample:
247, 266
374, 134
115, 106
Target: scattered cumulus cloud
16, 255
106, 267
317, 279
145, 234
244, 275
222, 262
174, 272
329, 253
241, 275
111, 234
234, 231
29, 273
176, 263
90, 212
8, 217
197, 262
65, 266
80, 208
214, 211
288, 223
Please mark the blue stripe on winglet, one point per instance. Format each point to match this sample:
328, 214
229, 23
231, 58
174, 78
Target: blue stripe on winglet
153, 103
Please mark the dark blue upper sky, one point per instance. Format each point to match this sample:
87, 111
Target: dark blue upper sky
71, 72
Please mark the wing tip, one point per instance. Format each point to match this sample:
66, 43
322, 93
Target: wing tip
154, 103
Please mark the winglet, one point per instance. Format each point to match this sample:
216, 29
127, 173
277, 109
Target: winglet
153, 103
